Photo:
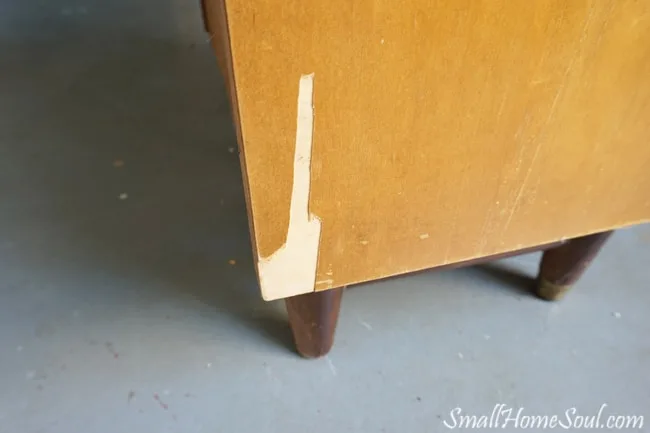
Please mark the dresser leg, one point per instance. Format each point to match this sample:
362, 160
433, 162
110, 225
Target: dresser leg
563, 265
313, 318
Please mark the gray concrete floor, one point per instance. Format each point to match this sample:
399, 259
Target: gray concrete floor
124, 314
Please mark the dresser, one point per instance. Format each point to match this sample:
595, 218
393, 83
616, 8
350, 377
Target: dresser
378, 138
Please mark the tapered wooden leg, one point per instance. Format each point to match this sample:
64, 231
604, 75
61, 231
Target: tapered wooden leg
313, 318
563, 265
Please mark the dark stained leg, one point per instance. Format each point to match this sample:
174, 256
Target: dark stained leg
204, 15
313, 317
563, 265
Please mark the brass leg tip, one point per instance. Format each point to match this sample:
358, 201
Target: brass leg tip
549, 291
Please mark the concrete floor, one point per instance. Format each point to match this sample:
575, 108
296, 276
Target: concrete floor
119, 310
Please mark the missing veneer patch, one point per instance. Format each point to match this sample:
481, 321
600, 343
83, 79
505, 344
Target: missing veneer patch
291, 270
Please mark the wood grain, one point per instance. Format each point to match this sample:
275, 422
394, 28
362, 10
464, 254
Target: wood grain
443, 130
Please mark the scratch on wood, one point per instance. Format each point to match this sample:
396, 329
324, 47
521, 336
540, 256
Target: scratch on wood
551, 115
328, 281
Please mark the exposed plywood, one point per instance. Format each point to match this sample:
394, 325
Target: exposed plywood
443, 130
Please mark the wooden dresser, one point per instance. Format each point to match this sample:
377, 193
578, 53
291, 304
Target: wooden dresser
380, 137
